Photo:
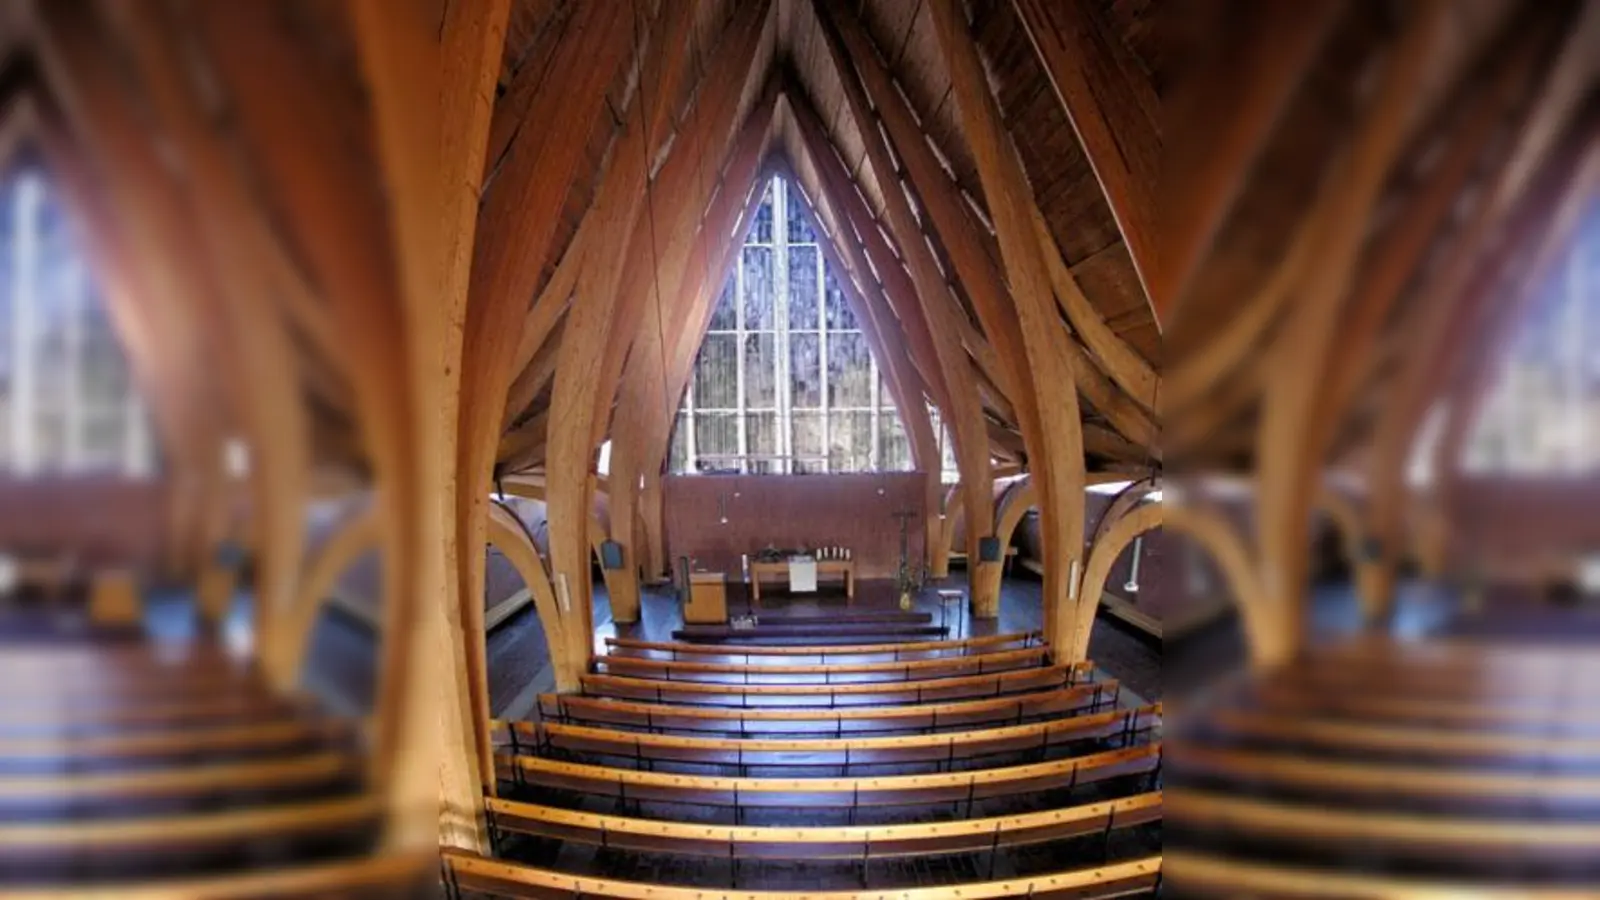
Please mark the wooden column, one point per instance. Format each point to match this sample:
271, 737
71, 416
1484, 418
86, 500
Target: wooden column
663, 238
1055, 448
536, 138
1290, 466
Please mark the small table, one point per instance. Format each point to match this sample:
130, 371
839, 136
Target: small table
779, 570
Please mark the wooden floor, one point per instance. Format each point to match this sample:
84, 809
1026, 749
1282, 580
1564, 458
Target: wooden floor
1379, 767
800, 771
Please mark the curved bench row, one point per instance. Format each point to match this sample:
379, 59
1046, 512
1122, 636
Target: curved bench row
1016, 708
472, 872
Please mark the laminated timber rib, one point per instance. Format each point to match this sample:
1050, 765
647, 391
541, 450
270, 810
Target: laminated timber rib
1056, 447
574, 439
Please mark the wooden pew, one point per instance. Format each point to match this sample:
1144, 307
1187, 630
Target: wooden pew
466, 871
19, 755
827, 673
880, 693
857, 843
1341, 778
662, 717
896, 651
391, 875
188, 784
833, 793
848, 633
1544, 715
1423, 743
153, 838
35, 720
1208, 876
1454, 839
943, 748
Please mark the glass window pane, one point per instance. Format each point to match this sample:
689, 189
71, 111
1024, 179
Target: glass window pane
725, 317
678, 456
761, 439
894, 446
758, 299
850, 441
803, 289
760, 371
849, 370
806, 441
716, 440
805, 370
799, 222
839, 314
761, 228
716, 373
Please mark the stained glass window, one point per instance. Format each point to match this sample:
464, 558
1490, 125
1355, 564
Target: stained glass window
785, 382
67, 401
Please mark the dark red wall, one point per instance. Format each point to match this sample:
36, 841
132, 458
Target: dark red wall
855, 511
100, 520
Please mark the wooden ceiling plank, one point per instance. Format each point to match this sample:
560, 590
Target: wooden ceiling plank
1056, 445
1113, 109
974, 266
1249, 91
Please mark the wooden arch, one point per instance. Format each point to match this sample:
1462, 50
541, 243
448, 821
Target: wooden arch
1125, 500
1211, 531
954, 500
508, 535
358, 533
1341, 510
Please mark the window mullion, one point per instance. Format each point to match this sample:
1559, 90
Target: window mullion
780, 322
25, 250
822, 352
73, 412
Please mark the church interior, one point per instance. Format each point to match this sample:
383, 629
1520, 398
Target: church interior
783, 449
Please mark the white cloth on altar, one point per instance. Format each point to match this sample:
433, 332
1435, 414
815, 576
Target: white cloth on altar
802, 574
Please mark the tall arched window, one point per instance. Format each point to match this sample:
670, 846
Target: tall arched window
1542, 414
67, 401
785, 382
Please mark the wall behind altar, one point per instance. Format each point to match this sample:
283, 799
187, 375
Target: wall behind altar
850, 510
100, 520
1524, 528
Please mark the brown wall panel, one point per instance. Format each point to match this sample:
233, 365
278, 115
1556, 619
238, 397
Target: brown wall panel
855, 511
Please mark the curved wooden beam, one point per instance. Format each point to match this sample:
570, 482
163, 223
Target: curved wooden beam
1102, 556
507, 534
1290, 454
358, 533
1219, 537
1342, 511
1114, 110
1053, 426
1125, 500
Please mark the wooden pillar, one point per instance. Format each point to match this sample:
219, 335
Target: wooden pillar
1054, 434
